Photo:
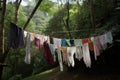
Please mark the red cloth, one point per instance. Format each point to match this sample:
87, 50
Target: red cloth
87, 40
47, 53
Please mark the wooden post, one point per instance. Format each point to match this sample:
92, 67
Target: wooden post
2, 35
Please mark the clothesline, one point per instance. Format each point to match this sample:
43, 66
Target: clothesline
69, 47
72, 31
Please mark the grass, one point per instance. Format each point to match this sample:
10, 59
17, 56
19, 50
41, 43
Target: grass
47, 75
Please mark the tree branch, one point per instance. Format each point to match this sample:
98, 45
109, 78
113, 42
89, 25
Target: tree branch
17, 3
34, 10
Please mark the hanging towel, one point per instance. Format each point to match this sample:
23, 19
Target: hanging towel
70, 54
79, 53
25, 34
64, 54
37, 43
27, 56
32, 38
103, 41
41, 38
47, 39
52, 51
97, 47
86, 55
72, 42
68, 42
60, 59
47, 54
78, 42
109, 37
63, 43
16, 37
90, 44
57, 43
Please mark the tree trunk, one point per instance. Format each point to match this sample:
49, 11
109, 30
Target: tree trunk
67, 20
17, 3
91, 13
2, 36
34, 10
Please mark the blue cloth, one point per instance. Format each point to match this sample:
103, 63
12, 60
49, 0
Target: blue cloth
72, 42
52, 51
16, 36
63, 42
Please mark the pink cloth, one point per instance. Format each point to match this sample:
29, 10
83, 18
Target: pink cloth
97, 47
41, 38
37, 43
57, 43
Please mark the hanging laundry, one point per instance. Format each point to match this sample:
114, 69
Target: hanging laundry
37, 43
32, 38
47, 39
16, 38
21, 37
79, 53
27, 56
25, 34
64, 54
103, 41
70, 55
47, 53
63, 43
97, 47
90, 44
72, 42
86, 55
60, 59
92, 39
41, 38
57, 43
78, 42
68, 42
52, 51
109, 37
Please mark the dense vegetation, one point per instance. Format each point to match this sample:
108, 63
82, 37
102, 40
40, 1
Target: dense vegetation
50, 19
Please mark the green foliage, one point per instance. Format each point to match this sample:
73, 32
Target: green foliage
51, 19
79, 18
48, 7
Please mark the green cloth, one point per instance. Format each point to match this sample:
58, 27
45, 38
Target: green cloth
78, 42
68, 42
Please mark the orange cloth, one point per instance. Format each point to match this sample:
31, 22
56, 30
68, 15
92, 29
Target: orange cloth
64, 54
87, 40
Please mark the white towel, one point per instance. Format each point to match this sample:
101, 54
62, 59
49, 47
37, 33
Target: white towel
60, 59
79, 53
86, 55
27, 56
70, 55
